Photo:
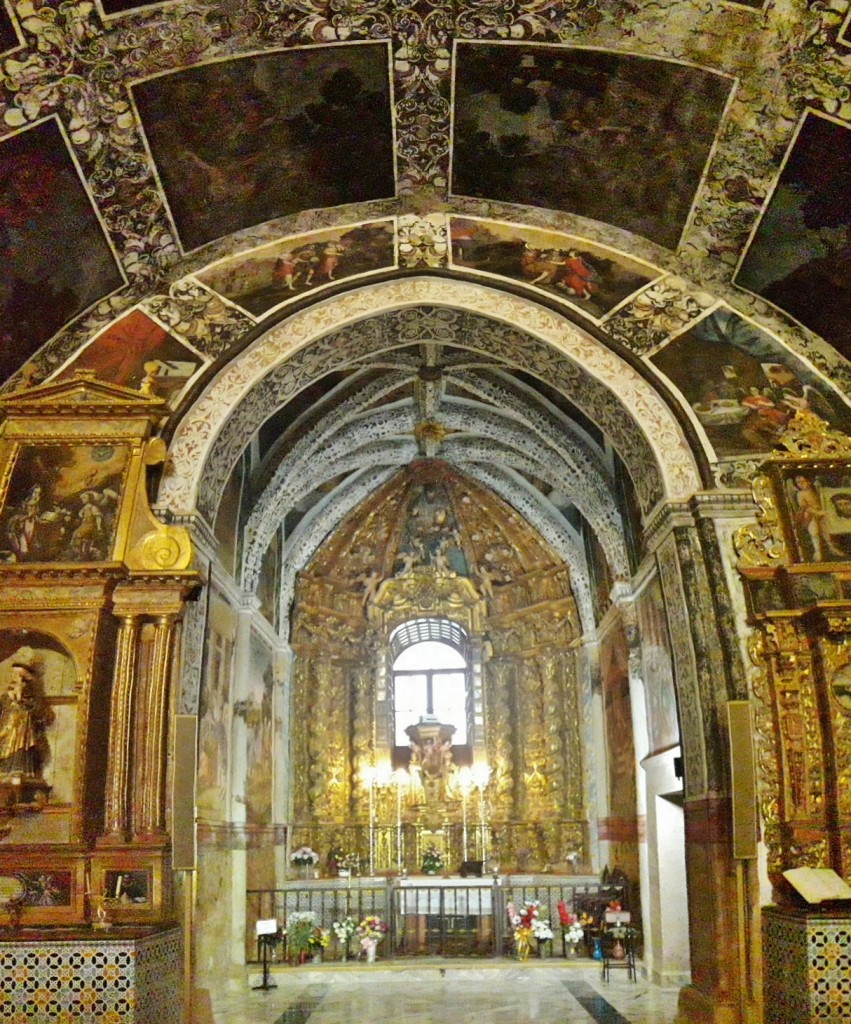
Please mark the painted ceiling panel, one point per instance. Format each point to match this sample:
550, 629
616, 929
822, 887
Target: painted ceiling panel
621, 139
8, 35
55, 257
242, 141
800, 255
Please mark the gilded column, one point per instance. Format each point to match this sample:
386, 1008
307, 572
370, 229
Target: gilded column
120, 720
149, 817
363, 691
553, 732
500, 732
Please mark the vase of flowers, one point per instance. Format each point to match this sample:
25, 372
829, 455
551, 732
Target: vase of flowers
572, 930
432, 860
528, 924
344, 930
305, 858
543, 934
317, 941
301, 925
370, 932
348, 865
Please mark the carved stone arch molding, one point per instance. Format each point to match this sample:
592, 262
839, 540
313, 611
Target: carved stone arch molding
364, 321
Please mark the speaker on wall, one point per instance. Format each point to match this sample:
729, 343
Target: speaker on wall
183, 793
743, 779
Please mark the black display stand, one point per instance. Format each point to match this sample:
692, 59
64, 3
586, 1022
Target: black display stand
266, 943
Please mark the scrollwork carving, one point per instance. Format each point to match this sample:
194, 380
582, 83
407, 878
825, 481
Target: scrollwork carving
761, 544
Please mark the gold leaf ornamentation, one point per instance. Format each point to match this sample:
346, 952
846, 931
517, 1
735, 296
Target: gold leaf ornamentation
761, 543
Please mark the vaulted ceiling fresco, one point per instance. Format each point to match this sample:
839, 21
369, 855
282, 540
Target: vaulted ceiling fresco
177, 179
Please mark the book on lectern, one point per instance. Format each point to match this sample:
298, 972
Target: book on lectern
818, 884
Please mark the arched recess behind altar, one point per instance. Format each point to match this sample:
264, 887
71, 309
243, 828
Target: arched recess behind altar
433, 543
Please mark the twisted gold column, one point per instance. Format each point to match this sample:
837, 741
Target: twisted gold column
148, 809
121, 710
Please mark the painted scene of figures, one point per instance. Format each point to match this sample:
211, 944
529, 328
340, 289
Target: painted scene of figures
819, 514
590, 277
657, 669
136, 352
267, 277
54, 253
800, 254
742, 385
62, 503
616, 137
241, 141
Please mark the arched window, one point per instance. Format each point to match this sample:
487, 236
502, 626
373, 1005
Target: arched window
430, 674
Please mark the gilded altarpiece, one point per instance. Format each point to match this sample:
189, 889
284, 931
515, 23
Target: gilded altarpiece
796, 564
526, 729
92, 588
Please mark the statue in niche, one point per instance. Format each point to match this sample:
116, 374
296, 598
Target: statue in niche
24, 718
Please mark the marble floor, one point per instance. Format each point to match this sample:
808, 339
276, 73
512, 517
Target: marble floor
495, 992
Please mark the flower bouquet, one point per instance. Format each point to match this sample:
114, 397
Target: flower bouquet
344, 930
370, 932
301, 925
350, 863
572, 929
528, 924
432, 860
304, 857
317, 941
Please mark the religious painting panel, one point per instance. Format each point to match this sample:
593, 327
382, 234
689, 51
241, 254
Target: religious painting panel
8, 36
265, 278
62, 503
800, 255
663, 729
226, 526
742, 385
591, 277
249, 139
258, 784
136, 351
614, 674
619, 138
38, 738
269, 581
599, 572
55, 255
817, 506
214, 725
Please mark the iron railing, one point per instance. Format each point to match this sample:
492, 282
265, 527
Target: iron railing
449, 918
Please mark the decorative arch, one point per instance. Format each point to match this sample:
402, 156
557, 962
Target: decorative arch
638, 422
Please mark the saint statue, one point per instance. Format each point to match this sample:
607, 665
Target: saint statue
24, 717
